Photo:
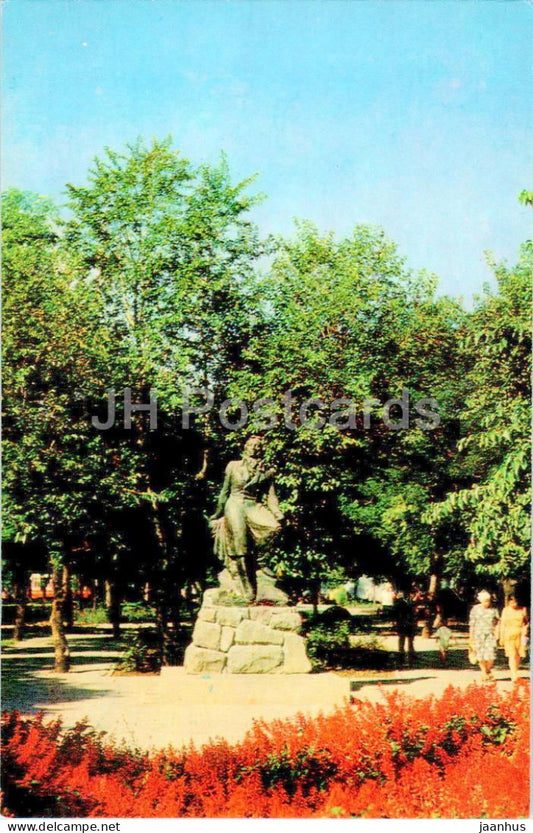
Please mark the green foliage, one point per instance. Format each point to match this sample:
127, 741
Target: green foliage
306, 771
92, 616
494, 507
130, 612
170, 250
367, 642
137, 612
346, 320
325, 640
52, 350
332, 616
526, 197
330, 644
147, 285
153, 283
142, 655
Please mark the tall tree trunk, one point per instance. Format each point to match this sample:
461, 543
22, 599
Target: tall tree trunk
68, 603
315, 593
508, 586
162, 592
433, 585
433, 589
114, 605
61, 649
161, 624
19, 592
96, 592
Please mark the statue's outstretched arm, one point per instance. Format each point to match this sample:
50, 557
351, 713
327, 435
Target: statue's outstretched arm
223, 496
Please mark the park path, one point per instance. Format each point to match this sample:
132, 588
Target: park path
175, 708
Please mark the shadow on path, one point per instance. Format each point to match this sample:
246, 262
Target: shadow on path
457, 660
94, 644
26, 689
356, 685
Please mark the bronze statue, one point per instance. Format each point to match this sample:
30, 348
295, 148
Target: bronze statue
246, 518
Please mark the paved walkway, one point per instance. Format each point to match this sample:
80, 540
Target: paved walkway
175, 708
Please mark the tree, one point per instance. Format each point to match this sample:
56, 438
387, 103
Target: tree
493, 506
345, 320
52, 349
169, 251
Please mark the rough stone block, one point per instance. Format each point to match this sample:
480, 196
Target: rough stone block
206, 635
254, 659
286, 621
249, 632
227, 638
200, 660
295, 660
208, 614
261, 614
231, 616
210, 597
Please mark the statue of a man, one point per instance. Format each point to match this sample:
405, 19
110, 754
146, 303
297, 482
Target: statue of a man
246, 517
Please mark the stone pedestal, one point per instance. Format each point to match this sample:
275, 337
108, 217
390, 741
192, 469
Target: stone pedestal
246, 640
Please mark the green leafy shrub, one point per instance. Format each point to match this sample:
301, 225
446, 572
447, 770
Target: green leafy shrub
92, 616
130, 612
331, 642
137, 612
326, 641
142, 655
332, 615
369, 642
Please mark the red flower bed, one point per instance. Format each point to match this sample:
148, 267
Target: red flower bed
463, 755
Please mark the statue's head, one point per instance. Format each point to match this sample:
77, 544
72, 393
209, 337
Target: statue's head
253, 447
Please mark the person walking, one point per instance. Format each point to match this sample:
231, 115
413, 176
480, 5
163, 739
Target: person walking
443, 635
513, 634
406, 626
483, 634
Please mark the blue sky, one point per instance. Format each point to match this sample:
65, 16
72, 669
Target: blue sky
415, 116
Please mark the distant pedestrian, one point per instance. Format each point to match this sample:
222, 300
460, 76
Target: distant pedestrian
443, 635
406, 626
514, 629
483, 634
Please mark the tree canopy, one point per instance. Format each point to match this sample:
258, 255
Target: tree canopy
396, 419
